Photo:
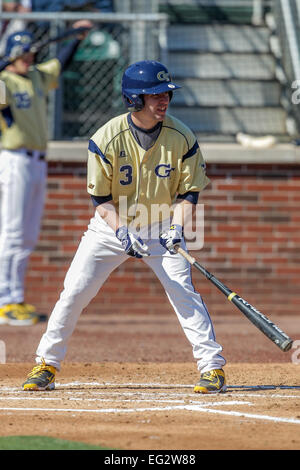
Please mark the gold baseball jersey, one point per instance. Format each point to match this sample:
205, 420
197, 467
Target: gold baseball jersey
23, 118
138, 179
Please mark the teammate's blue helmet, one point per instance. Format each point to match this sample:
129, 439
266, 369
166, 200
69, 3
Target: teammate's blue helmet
146, 77
18, 43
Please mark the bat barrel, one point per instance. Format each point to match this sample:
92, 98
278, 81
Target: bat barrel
264, 324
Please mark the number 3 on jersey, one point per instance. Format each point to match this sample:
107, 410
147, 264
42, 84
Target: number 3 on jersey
126, 171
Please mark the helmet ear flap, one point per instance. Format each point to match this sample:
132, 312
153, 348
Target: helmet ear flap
133, 103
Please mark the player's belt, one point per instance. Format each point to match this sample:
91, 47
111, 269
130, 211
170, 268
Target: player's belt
29, 153
35, 153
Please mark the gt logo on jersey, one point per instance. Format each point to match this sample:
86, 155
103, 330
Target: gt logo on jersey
22, 100
163, 76
163, 170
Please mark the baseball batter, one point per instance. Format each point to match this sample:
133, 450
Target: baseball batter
137, 161
23, 166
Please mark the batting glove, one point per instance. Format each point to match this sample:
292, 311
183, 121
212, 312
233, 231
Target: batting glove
132, 244
171, 238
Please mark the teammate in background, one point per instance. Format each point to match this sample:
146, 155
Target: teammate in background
23, 166
17, 24
136, 160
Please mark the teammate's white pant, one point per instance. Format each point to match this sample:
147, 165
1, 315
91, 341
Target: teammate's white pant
98, 254
23, 187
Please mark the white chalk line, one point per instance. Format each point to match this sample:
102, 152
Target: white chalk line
125, 401
110, 386
151, 395
170, 386
203, 406
167, 394
196, 408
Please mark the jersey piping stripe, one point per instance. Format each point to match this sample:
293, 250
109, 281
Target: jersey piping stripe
191, 152
174, 129
95, 149
125, 130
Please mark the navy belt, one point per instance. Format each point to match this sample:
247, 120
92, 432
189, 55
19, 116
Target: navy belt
31, 153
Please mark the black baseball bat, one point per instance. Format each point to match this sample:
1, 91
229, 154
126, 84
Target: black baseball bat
272, 331
60, 37
37, 46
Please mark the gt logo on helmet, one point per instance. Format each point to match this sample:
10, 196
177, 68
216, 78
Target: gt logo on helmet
24, 39
163, 76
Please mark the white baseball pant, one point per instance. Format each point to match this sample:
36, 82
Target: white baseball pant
98, 254
23, 187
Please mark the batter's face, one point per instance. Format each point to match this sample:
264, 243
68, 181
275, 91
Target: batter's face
154, 110
22, 64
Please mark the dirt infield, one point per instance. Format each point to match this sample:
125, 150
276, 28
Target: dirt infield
127, 384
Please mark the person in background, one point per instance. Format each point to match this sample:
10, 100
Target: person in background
23, 166
9, 26
102, 6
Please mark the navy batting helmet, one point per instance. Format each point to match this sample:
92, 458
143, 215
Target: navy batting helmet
18, 43
146, 77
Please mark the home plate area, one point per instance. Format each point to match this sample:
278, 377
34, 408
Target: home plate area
156, 414
139, 398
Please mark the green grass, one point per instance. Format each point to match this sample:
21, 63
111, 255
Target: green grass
43, 443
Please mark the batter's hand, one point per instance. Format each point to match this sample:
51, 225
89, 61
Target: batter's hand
132, 244
82, 24
171, 238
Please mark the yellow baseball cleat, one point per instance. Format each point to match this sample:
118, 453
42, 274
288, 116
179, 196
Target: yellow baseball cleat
17, 315
29, 307
212, 381
42, 377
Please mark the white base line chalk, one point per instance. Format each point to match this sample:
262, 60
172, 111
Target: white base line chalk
166, 408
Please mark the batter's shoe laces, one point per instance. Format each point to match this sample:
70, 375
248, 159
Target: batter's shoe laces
212, 381
42, 377
20, 314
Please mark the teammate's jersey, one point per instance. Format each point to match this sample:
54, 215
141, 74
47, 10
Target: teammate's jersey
140, 179
23, 118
